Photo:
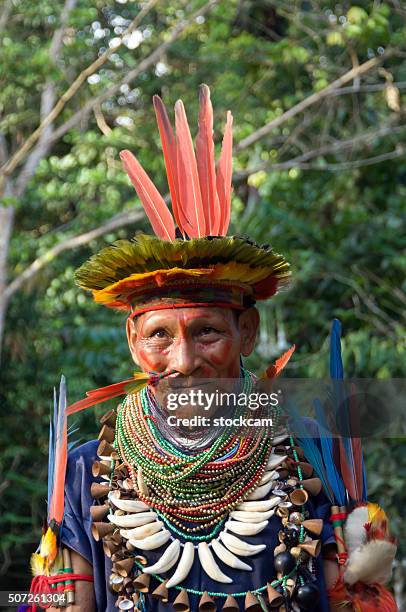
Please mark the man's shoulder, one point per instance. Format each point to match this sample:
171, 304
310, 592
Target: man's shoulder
86, 452
79, 467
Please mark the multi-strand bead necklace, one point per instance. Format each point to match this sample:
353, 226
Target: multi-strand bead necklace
191, 493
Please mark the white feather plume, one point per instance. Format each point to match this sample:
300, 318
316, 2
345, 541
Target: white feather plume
355, 534
370, 563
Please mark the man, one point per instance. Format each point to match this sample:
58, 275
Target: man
226, 522
194, 342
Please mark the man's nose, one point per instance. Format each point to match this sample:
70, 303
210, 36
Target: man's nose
183, 356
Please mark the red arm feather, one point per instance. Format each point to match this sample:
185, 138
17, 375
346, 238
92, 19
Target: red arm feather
97, 396
57, 501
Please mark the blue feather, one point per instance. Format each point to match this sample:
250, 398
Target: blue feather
364, 482
309, 446
51, 450
326, 443
341, 407
336, 364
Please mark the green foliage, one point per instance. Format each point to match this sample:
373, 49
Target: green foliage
337, 218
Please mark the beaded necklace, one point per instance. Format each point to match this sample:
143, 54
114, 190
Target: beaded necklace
191, 502
191, 493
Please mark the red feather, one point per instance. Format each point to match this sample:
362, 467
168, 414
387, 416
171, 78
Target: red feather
356, 446
276, 368
57, 501
152, 201
347, 471
205, 164
350, 452
188, 178
169, 149
224, 175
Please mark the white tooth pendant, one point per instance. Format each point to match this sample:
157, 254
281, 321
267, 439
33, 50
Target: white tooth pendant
247, 529
153, 541
275, 460
251, 517
272, 475
184, 565
168, 560
128, 505
132, 520
279, 439
238, 547
228, 558
261, 492
142, 487
138, 533
259, 506
209, 564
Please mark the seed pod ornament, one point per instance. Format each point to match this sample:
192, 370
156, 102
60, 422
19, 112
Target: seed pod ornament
307, 596
284, 563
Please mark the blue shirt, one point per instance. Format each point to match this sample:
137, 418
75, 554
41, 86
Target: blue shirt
76, 534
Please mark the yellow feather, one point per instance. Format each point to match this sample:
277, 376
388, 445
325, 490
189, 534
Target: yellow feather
49, 547
376, 514
141, 380
37, 564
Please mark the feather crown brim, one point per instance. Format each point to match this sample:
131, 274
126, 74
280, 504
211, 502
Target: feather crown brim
120, 273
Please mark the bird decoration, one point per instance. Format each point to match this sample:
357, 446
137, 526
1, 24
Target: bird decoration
365, 548
50, 564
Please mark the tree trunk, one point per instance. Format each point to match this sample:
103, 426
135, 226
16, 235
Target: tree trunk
6, 225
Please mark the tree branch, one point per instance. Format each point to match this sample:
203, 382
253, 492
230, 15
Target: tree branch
358, 163
133, 74
68, 244
336, 147
47, 102
388, 324
307, 102
7, 6
21, 153
366, 88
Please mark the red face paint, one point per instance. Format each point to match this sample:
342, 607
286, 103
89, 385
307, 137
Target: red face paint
202, 342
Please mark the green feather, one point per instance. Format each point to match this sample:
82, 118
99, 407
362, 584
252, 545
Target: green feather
147, 253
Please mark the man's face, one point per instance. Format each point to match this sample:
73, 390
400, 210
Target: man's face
198, 342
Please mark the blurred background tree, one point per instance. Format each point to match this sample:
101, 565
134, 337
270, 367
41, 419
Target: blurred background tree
317, 93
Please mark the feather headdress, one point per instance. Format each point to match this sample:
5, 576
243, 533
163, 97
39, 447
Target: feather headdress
191, 253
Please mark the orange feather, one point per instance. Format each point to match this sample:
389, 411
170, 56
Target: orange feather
188, 178
205, 164
224, 175
57, 501
152, 201
276, 368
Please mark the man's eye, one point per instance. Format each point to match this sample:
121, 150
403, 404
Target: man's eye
159, 333
208, 330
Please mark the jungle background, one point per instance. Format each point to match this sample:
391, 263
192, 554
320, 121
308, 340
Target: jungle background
317, 90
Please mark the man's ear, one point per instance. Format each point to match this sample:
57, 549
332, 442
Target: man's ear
132, 338
248, 323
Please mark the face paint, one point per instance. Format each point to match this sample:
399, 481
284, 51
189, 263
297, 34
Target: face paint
201, 342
